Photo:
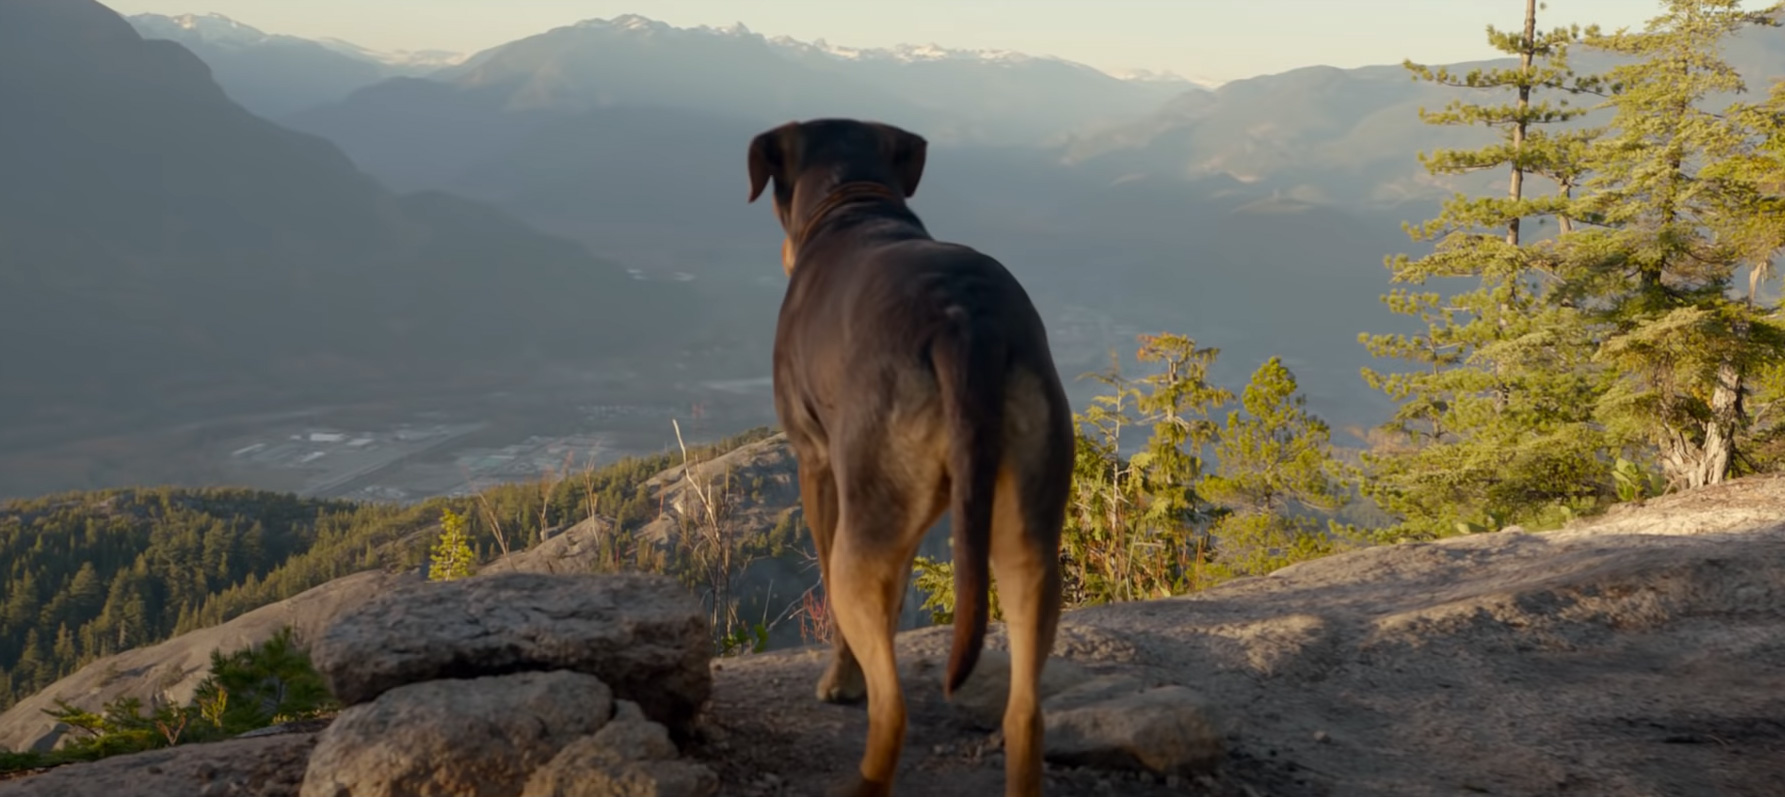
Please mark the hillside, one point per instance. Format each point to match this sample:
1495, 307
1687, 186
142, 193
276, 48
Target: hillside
163, 251
1635, 653
90, 575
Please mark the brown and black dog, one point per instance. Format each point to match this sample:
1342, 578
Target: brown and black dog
913, 375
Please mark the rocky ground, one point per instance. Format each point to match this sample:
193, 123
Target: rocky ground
1642, 653
1638, 654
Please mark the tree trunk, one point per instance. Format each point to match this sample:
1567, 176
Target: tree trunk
1527, 48
1515, 188
1690, 465
1726, 417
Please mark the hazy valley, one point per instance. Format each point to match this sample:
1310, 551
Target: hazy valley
559, 221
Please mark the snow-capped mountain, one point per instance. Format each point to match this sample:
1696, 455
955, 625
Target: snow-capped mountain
985, 96
903, 53
274, 74
1163, 76
220, 31
405, 61
214, 28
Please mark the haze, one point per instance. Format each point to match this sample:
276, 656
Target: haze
1205, 40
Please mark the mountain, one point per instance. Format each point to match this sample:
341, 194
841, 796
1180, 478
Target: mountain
499, 96
1318, 132
1343, 136
992, 96
628, 135
274, 75
162, 250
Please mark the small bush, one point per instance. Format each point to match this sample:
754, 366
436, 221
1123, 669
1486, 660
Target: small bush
255, 687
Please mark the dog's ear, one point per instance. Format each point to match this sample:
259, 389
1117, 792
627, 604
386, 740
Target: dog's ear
769, 154
904, 151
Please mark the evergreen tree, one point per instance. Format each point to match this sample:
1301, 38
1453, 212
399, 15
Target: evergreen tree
1669, 231
86, 595
273, 681
452, 556
1759, 238
32, 671
1495, 425
1274, 462
21, 606
1132, 526
67, 655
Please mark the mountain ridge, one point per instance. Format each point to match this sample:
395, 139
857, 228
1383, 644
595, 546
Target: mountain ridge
160, 243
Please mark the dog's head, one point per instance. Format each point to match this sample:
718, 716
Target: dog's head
804, 160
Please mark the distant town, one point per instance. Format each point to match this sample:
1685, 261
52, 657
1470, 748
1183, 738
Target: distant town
411, 462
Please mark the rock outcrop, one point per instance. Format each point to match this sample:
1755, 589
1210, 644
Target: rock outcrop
478, 736
485, 685
645, 636
630, 757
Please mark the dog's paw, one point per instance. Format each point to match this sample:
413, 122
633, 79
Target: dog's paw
858, 786
842, 683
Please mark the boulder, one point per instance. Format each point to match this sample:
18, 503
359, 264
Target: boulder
628, 758
1095, 690
981, 698
478, 737
643, 635
1165, 731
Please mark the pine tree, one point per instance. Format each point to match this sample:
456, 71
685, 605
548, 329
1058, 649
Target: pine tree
32, 672
1496, 424
1658, 263
86, 596
1759, 238
1132, 526
67, 655
1274, 462
451, 556
21, 607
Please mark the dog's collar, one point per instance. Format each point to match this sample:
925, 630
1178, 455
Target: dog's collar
844, 192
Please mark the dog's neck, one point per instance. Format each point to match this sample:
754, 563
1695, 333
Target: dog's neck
838, 196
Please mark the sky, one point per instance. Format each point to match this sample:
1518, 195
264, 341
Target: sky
1213, 40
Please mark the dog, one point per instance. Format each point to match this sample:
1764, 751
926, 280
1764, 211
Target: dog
911, 376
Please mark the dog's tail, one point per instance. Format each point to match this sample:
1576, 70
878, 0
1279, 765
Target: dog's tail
970, 363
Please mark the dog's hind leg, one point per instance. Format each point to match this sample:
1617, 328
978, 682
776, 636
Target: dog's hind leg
1025, 564
883, 518
842, 682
